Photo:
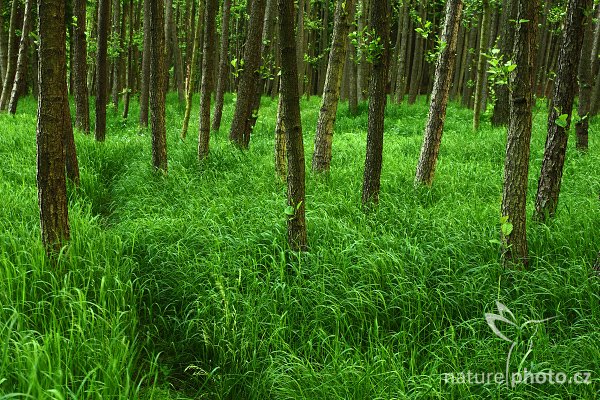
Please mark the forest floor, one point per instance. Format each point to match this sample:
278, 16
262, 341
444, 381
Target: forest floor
182, 287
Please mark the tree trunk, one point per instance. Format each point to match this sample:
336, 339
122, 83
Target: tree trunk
585, 85
516, 165
21, 73
501, 112
223, 66
189, 95
158, 85
321, 161
82, 105
379, 20
401, 72
481, 65
300, 49
207, 79
102, 69
418, 61
562, 104
145, 86
439, 99
352, 79
130, 77
173, 51
467, 89
280, 156
3, 45
241, 127
52, 188
13, 46
114, 40
296, 222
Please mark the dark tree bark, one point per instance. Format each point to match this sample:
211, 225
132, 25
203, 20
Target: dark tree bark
481, 65
52, 188
70, 151
129, 83
3, 45
223, 66
516, 165
145, 84
379, 19
296, 222
401, 73
352, 79
300, 48
562, 103
501, 111
21, 72
439, 98
116, 61
13, 46
344, 14
241, 127
585, 85
207, 79
467, 90
280, 155
191, 78
158, 85
82, 105
417, 61
102, 69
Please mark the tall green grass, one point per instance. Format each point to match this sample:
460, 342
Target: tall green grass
182, 286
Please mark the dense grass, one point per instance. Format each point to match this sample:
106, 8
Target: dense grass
181, 286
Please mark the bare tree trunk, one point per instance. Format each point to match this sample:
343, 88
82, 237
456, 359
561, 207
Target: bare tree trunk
585, 85
145, 87
401, 73
439, 98
207, 79
189, 94
158, 85
223, 66
516, 165
379, 20
296, 222
418, 61
13, 46
300, 49
562, 104
280, 156
241, 127
501, 111
52, 188
21, 73
467, 89
3, 45
130, 79
116, 33
352, 79
344, 14
82, 105
481, 65
102, 70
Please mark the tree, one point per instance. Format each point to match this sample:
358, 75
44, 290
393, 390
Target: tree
379, 18
21, 69
402, 56
129, 80
501, 111
145, 84
116, 45
191, 78
82, 105
516, 165
439, 98
223, 66
481, 65
585, 85
249, 78
344, 14
11, 66
290, 100
158, 85
207, 79
559, 118
102, 69
52, 188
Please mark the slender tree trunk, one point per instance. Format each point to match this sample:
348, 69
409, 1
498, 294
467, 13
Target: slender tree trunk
241, 127
3, 45
158, 85
189, 94
467, 89
401, 73
439, 99
418, 61
300, 49
501, 111
52, 188
130, 78
481, 65
280, 156
352, 79
115, 34
21, 73
379, 20
82, 105
516, 166
207, 79
102, 70
585, 85
562, 104
223, 66
321, 161
296, 222
145, 87
13, 46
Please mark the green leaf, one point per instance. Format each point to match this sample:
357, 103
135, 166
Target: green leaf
562, 120
289, 210
507, 228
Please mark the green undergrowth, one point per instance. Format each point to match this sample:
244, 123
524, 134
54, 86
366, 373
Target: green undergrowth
181, 286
